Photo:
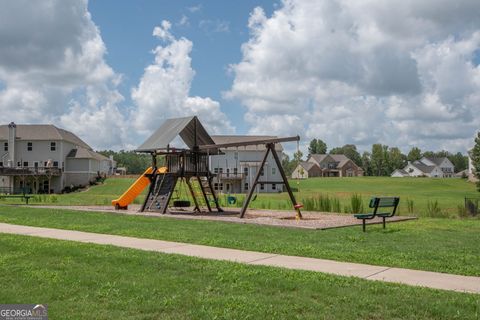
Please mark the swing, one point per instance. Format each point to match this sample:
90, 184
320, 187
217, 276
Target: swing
181, 203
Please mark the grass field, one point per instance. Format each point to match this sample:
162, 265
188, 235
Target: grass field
422, 193
442, 245
82, 281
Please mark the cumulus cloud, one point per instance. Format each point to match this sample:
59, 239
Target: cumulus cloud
164, 89
53, 70
399, 73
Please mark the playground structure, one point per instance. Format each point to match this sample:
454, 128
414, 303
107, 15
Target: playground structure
190, 165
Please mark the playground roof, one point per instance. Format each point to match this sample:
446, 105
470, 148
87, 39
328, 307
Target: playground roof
189, 129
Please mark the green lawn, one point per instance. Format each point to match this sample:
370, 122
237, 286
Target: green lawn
443, 245
449, 193
420, 192
83, 281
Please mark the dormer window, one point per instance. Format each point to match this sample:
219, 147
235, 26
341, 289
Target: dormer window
29, 146
53, 146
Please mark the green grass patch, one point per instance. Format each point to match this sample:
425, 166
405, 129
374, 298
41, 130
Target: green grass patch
84, 281
442, 245
418, 196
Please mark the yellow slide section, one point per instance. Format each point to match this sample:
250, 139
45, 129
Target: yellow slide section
135, 189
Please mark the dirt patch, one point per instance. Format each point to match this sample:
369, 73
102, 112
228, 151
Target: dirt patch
311, 220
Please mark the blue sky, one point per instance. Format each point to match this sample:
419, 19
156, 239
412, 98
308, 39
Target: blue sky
402, 74
216, 28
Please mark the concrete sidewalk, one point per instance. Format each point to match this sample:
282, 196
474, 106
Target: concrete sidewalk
405, 276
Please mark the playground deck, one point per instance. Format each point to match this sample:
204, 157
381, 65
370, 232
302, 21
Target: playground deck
311, 220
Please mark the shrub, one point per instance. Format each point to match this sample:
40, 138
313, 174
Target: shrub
410, 207
433, 210
356, 203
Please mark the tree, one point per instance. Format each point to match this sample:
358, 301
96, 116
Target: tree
134, 162
414, 154
459, 161
396, 160
475, 155
366, 164
297, 157
350, 151
287, 164
379, 159
317, 146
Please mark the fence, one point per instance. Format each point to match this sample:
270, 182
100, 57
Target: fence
471, 206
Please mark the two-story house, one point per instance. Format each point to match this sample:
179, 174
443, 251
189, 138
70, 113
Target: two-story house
236, 168
327, 165
427, 167
44, 159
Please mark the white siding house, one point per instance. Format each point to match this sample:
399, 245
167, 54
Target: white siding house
236, 169
38, 158
427, 167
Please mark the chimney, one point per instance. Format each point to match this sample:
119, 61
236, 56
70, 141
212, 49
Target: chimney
12, 134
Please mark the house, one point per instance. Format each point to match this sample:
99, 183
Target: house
427, 167
335, 165
44, 159
306, 170
236, 168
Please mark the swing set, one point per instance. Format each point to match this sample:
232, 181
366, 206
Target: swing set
190, 166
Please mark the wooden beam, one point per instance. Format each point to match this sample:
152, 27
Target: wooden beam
257, 176
284, 177
249, 143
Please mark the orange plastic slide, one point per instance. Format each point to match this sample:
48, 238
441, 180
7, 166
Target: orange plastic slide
135, 189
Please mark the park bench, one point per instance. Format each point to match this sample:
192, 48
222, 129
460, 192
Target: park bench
376, 203
21, 196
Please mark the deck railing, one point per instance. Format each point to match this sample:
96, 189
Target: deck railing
12, 171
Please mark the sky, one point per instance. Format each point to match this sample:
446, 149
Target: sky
348, 72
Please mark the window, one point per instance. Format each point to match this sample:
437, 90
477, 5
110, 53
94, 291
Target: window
29, 146
274, 171
245, 171
220, 186
220, 170
5, 146
53, 146
1, 164
228, 187
55, 164
25, 163
215, 186
19, 164
261, 172
262, 186
246, 186
215, 170
235, 171
274, 186
228, 174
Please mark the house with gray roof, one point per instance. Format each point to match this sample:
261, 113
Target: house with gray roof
427, 167
46, 159
305, 170
235, 167
332, 165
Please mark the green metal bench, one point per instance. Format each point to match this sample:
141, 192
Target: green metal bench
375, 204
24, 197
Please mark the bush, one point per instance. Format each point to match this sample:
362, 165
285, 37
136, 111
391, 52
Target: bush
433, 209
356, 203
323, 203
410, 207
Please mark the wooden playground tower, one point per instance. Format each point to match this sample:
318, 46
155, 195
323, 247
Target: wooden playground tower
191, 165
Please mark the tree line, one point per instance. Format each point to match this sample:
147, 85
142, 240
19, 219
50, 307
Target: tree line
382, 160
134, 162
